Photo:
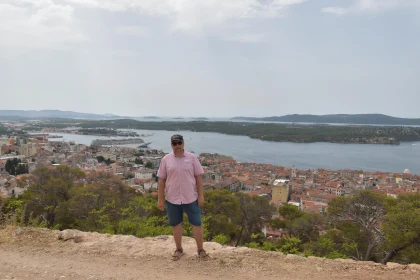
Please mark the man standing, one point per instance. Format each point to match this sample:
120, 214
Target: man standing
180, 182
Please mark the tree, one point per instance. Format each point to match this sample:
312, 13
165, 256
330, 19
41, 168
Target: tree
142, 218
255, 211
100, 159
221, 214
138, 161
288, 245
96, 206
48, 188
74, 213
307, 227
401, 225
20, 169
44, 199
149, 164
8, 166
108, 185
128, 176
289, 213
367, 211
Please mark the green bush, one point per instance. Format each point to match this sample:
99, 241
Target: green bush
221, 238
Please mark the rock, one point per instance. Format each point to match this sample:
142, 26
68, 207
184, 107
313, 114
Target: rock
68, 234
18, 232
347, 261
241, 249
414, 266
392, 265
295, 257
78, 239
163, 237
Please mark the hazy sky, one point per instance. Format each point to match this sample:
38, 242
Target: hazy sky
209, 58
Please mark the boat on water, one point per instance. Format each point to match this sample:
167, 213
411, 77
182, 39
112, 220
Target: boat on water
115, 141
145, 145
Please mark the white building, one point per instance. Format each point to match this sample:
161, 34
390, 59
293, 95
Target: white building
149, 185
281, 182
145, 174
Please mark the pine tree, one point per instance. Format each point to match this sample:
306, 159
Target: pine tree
8, 165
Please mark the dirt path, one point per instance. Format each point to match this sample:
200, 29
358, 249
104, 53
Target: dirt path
39, 254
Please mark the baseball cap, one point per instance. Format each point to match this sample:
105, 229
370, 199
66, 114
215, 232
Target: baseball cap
177, 137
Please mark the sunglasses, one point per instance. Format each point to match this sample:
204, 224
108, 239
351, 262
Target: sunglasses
174, 143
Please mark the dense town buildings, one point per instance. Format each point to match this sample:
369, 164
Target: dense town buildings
310, 190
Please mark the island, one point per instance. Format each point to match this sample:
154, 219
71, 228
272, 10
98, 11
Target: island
277, 132
371, 119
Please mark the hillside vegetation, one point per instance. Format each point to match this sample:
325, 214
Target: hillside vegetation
367, 226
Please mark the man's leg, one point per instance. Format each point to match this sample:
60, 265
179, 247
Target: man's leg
175, 216
177, 233
194, 216
198, 236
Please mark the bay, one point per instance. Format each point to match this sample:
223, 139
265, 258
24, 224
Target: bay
369, 157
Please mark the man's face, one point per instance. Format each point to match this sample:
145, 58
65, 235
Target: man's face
177, 145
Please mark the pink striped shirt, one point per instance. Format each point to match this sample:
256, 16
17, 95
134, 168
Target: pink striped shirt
180, 172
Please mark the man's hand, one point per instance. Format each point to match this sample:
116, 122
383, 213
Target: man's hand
200, 200
161, 204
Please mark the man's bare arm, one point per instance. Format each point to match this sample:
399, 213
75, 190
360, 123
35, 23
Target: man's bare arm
199, 183
161, 193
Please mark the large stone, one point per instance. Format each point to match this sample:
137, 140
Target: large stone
294, 257
68, 234
162, 237
18, 232
392, 265
414, 266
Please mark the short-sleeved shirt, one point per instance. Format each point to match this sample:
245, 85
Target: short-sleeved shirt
180, 172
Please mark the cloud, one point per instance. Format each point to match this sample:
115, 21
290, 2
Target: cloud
247, 38
335, 10
131, 30
52, 23
37, 24
369, 5
196, 16
363, 6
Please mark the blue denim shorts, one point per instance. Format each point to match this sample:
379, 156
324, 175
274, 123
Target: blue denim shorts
175, 213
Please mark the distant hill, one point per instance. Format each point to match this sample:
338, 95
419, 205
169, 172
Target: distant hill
337, 118
53, 114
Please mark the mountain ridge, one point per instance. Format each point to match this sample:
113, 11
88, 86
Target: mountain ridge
337, 119
55, 114
362, 119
